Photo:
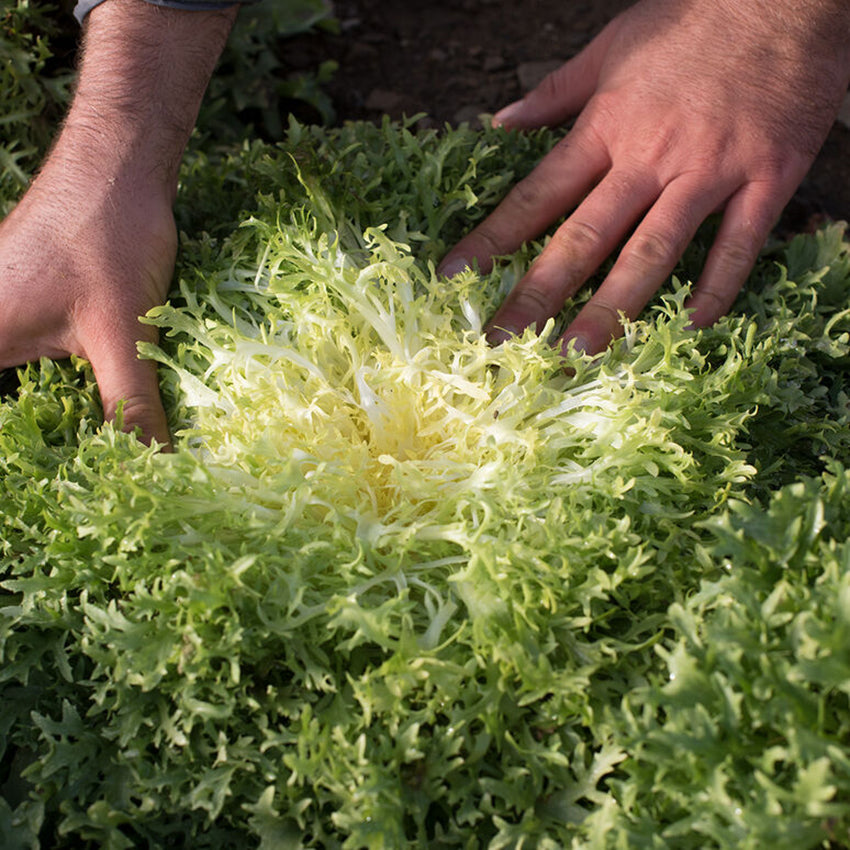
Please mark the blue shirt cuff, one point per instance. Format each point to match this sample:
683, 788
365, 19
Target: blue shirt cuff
83, 7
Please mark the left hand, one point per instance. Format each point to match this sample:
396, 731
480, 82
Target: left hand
684, 108
88, 249
91, 246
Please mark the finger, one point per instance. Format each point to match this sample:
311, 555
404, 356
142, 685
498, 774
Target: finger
558, 183
561, 94
747, 221
575, 251
130, 383
645, 263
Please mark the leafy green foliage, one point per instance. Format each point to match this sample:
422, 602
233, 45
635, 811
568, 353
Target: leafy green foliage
397, 588
35, 90
253, 89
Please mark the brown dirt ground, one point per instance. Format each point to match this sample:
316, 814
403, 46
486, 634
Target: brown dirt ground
454, 60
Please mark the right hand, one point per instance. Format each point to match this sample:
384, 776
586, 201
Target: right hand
683, 109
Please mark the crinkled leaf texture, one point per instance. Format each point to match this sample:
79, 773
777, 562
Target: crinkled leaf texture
398, 588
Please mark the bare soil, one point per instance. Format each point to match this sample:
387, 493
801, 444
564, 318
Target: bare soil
456, 59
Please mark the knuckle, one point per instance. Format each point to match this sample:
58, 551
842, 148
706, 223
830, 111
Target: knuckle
753, 232
564, 145
651, 250
485, 241
551, 86
771, 167
602, 110
780, 165
579, 237
735, 257
605, 312
740, 249
528, 194
659, 145
624, 183
534, 302
720, 302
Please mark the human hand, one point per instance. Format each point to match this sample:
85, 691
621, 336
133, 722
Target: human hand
684, 108
91, 246
83, 256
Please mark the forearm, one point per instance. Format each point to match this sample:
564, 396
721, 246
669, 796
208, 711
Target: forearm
827, 21
802, 28
798, 47
143, 75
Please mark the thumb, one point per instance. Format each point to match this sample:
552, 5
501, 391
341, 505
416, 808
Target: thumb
563, 93
129, 383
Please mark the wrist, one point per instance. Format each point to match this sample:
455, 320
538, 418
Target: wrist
107, 159
802, 28
143, 75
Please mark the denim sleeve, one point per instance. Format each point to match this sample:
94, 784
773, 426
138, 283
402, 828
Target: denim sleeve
83, 7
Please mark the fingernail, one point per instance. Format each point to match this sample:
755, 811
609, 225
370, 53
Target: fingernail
579, 343
504, 115
496, 336
452, 266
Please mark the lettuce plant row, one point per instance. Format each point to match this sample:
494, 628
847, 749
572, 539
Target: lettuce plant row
398, 588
